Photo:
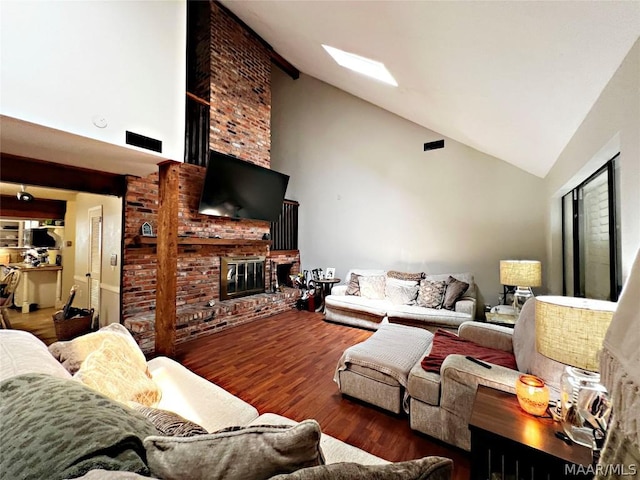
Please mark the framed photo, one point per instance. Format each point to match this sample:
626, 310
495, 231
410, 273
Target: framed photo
330, 274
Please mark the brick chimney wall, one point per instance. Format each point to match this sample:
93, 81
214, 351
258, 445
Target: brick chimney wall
240, 91
240, 100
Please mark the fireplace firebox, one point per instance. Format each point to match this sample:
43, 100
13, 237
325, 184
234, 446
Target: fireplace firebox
283, 272
241, 276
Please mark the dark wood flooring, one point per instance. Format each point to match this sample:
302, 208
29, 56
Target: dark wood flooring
39, 322
285, 364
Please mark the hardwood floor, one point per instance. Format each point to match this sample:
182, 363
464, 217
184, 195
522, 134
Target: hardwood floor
39, 322
285, 364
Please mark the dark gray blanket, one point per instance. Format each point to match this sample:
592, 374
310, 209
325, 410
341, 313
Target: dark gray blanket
56, 428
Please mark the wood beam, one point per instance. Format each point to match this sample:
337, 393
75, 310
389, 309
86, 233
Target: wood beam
167, 259
30, 171
38, 209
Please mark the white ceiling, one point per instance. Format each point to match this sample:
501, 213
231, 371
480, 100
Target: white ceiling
512, 79
30, 140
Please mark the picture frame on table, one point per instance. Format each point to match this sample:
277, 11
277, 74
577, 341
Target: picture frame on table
330, 273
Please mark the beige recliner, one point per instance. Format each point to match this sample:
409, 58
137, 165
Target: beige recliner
441, 403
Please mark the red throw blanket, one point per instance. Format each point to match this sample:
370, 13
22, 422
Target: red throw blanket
447, 343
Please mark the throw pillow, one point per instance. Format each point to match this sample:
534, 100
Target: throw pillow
414, 277
56, 428
455, 290
446, 343
100, 474
112, 371
431, 293
251, 453
401, 292
71, 354
372, 287
168, 423
353, 287
427, 468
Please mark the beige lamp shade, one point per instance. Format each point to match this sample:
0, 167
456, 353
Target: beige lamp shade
521, 273
571, 330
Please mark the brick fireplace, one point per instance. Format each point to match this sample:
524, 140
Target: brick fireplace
241, 276
240, 70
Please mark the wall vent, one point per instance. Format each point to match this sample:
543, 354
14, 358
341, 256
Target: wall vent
141, 141
434, 145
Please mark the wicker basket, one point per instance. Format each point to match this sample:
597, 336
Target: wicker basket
73, 327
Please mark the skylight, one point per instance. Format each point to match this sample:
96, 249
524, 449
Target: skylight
362, 65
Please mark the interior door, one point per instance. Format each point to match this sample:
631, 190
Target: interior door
95, 261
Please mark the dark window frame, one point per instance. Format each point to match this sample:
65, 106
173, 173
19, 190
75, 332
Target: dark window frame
577, 206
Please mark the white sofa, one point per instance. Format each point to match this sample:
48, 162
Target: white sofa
183, 392
368, 313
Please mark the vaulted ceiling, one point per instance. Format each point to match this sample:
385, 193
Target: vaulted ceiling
509, 78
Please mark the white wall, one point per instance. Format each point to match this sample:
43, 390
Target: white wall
63, 63
111, 243
612, 126
371, 197
68, 252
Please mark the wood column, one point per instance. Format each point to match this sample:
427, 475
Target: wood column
167, 259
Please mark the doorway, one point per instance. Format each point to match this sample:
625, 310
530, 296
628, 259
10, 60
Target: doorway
94, 275
90, 235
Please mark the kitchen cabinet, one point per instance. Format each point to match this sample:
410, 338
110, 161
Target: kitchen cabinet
11, 232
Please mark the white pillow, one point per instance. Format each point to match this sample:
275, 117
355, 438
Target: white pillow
372, 287
401, 292
21, 352
72, 353
115, 372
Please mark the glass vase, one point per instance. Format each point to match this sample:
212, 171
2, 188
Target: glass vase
585, 406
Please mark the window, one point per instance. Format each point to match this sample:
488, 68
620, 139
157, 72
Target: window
590, 236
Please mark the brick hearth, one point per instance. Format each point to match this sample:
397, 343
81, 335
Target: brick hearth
194, 321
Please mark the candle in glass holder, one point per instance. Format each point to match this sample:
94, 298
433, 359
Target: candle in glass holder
533, 394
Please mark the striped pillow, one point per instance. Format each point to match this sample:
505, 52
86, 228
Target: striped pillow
414, 277
169, 423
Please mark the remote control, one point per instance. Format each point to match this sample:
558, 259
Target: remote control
475, 360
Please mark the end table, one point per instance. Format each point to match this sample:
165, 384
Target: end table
325, 289
503, 319
506, 442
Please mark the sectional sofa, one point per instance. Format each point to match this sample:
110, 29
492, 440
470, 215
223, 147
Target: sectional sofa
55, 425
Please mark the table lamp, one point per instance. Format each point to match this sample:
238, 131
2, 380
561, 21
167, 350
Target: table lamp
522, 274
571, 331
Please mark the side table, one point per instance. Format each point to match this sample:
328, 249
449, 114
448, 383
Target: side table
503, 319
506, 442
325, 289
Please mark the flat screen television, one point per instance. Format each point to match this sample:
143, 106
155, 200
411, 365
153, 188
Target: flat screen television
238, 189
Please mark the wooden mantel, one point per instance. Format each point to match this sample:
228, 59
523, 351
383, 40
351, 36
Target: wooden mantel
224, 242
